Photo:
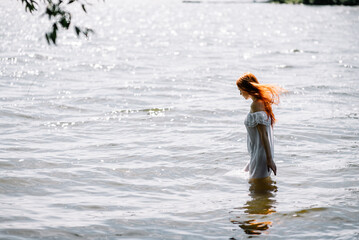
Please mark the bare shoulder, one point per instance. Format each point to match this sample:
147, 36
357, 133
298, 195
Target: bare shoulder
257, 106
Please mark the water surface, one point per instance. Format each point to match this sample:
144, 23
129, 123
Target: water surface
138, 132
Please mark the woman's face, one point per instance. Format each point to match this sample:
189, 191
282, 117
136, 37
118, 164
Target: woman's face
244, 94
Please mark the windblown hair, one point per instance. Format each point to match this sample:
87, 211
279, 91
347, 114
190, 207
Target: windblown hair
268, 93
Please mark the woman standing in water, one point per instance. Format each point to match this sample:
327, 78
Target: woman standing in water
259, 123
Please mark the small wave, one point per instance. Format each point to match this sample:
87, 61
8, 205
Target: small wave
285, 66
39, 56
149, 111
71, 108
353, 190
299, 213
348, 66
62, 124
316, 87
237, 174
353, 115
348, 93
15, 115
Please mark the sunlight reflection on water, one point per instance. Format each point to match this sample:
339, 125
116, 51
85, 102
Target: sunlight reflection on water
138, 132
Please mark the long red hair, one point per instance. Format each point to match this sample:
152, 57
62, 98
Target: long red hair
268, 93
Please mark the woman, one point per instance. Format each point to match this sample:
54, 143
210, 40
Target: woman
259, 123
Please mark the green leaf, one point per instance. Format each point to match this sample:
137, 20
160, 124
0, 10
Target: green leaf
65, 20
87, 31
47, 38
54, 27
77, 30
83, 7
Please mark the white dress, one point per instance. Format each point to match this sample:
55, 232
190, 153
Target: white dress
257, 165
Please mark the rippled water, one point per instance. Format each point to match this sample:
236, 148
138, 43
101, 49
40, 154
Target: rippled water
138, 133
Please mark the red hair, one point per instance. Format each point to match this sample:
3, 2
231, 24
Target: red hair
268, 93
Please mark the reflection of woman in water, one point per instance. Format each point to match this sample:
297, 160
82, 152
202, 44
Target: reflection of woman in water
259, 123
258, 209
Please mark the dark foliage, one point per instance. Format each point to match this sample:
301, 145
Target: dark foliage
332, 2
59, 16
321, 2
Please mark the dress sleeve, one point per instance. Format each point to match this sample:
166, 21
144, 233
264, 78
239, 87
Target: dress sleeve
258, 118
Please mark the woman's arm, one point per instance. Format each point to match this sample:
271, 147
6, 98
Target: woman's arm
264, 138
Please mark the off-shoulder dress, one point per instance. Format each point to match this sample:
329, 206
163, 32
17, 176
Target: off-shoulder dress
257, 165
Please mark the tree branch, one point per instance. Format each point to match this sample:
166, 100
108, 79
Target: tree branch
60, 17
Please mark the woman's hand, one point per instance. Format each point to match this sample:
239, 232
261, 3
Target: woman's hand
271, 165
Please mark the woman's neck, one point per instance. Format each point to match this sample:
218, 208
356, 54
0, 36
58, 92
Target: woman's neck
254, 99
